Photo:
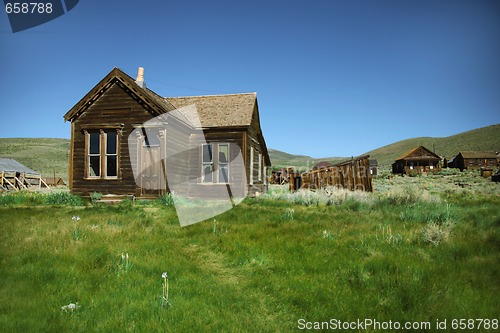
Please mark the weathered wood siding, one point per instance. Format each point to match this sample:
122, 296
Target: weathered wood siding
112, 109
353, 175
253, 139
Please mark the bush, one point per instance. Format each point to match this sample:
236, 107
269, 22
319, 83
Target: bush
62, 198
95, 197
166, 200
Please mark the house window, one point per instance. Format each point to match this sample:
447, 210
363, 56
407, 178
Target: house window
251, 165
102, 154
260, 167
479, 161
111, 154
471, 162
207, 163
94, 154
151, 138
223, 163
215, 170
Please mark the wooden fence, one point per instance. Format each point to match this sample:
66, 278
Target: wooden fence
20, 181
353, 174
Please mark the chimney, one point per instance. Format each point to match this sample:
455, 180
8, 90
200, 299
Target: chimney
140, 78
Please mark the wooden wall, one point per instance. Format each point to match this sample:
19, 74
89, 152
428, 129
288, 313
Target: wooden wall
114, 108
353, 175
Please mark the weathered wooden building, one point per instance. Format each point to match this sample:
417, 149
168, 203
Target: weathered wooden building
109, 139
353, 174
16, 176
467, 160
417, 160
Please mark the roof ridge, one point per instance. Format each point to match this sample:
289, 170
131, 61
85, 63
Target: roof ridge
214, 95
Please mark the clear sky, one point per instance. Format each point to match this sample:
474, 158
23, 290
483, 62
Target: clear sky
333, 78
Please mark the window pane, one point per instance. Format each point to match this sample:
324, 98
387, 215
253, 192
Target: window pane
151, 138
207, 173
95, 166
223, 153
111, 166
223, 174
111, 142
94, 143
207, 153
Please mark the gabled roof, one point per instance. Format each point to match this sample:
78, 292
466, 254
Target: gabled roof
214, 110
154, 103
419, 153
10, 165
479, 154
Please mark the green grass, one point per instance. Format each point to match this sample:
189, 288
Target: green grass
257, 268
45, 156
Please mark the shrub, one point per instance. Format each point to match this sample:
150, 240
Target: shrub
435, 233
166, 200
95, 197
62, 198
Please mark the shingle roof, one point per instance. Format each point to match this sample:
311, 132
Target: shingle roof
10, 165
213, 110
220, 110
408, 154
479, 154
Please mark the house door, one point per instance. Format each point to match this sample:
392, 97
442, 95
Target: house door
152, 177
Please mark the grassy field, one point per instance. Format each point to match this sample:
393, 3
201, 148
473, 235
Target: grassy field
418, 249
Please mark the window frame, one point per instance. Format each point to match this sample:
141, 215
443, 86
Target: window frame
215, 163
224, 164
103, 154
209, 163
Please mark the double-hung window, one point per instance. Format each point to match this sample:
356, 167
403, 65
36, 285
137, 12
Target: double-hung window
215, 163
207, 163
102, 154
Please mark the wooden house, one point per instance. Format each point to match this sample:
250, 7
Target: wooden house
417, 160
109, 139
467, 160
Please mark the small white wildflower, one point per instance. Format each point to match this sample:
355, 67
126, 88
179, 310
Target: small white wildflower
123, 256
164, 275
75, 218
71, 307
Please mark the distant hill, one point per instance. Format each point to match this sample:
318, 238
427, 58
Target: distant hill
41, 155
49, 155
481, 139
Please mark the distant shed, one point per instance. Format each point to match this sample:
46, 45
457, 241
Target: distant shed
54, 181
322, 164
15, 175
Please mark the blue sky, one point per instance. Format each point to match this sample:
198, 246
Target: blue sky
333, 78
